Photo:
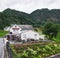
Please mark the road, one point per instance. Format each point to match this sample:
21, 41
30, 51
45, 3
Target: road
1, 48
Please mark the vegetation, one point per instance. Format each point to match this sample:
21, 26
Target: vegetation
2, 33
36, 18
51, 29
57, 38
35, 51
38, 30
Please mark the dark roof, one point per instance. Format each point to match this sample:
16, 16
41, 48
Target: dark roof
26, 27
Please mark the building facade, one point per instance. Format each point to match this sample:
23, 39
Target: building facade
29, 35
24, 32
15, 29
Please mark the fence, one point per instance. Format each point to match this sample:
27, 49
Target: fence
11, 54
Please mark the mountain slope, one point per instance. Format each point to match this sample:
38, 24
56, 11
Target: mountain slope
36, 18
9, 16
46, 15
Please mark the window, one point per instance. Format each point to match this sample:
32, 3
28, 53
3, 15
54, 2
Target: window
35, 34
24, 36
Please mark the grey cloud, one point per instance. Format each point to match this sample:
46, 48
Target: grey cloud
29, 5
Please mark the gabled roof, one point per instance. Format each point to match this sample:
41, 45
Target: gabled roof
26, 27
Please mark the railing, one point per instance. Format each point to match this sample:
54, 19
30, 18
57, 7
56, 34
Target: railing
11, 53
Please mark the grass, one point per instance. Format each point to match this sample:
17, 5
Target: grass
2, 33
57, 40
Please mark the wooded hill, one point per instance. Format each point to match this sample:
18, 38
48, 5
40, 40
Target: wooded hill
36, 18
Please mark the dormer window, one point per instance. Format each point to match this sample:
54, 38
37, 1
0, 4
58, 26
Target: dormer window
15, 26
35, 34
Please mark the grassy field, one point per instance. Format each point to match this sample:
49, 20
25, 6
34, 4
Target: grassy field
35, 51
2, 33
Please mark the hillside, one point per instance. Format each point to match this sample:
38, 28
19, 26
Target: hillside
36, 18
46, 15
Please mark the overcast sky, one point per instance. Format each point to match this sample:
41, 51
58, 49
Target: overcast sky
29, 5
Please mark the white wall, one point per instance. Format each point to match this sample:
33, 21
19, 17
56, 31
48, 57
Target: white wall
30, 35
15, 31
42, 37
7, 29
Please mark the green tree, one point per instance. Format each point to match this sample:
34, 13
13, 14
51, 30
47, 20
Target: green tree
50, 29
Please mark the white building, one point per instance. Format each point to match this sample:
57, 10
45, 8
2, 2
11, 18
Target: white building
29, 35
15, 29
7, 28
24, 32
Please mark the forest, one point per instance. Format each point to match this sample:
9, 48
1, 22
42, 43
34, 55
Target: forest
37, 18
